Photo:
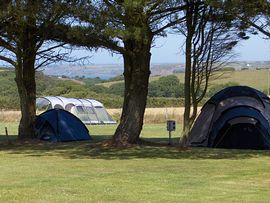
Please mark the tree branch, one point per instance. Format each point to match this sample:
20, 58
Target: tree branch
6, 45
8, 60
255, 26
50, 48
168, 25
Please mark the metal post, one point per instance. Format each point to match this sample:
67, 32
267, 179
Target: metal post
170, 128
8, 141
6, 131
170, 135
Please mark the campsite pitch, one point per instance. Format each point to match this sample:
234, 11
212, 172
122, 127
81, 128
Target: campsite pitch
88, 172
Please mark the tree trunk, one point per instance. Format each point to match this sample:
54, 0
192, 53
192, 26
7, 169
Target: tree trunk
188, 72
136, 73
186, 124
26, 84
25, 80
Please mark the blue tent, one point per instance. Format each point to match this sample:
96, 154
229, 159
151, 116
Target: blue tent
237, 117
58, 125
241, 127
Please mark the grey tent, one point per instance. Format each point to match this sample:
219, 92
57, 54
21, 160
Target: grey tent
236, 117
89, 111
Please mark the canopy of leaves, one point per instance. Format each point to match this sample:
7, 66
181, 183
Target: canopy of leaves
39, 17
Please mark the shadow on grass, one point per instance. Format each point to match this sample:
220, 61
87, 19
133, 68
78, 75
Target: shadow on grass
95, 150
174, 140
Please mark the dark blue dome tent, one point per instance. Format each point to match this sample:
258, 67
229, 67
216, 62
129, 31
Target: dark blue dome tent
58, 125
236, 117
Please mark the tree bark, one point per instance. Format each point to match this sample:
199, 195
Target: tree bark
136, 74
188, 72
26, 84
25, 80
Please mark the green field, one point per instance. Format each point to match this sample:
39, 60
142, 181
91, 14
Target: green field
253, 78
89, 172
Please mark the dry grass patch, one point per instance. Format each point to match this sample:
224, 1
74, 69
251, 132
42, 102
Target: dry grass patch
73, 80
10, 116
152, 115
109, 84
155, 115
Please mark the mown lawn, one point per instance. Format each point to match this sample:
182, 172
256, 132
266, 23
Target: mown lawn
150, 132
89, 172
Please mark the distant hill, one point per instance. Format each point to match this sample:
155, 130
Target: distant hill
255, 78
251, 65
107, 71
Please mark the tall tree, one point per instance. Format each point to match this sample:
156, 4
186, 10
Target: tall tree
253, 16
209, 41
23, 28
129, 28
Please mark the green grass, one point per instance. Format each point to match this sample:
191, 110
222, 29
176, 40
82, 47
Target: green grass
88, 172
150, 132
253, 78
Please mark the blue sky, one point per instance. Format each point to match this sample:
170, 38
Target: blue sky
168, 50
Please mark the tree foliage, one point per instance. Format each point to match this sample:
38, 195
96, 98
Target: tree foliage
167, 86
24, 28
247, 16
127, 27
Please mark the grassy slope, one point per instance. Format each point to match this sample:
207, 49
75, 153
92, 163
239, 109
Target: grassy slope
254, 78
108, 84
82, 172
